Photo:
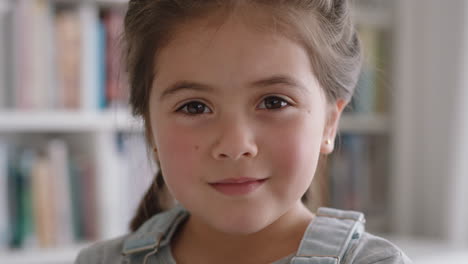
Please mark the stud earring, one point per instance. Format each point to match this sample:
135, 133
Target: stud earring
328, 142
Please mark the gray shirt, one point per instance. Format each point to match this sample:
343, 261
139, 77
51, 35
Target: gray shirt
333, 236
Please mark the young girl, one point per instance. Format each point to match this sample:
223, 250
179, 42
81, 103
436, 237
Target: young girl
241, 100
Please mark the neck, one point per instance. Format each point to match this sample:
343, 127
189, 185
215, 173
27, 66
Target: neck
196, 239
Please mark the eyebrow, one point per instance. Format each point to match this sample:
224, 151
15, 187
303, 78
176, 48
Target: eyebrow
195, 86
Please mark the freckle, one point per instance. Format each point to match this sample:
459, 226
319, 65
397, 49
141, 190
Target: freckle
197, 147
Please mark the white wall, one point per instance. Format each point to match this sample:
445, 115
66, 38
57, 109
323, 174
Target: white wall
458, 208
430, 123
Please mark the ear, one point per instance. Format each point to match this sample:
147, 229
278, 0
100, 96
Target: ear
331, 125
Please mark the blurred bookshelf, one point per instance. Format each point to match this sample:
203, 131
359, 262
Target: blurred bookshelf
358, 172
68, 121
64, 121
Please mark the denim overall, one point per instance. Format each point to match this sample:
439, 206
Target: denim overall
327, 239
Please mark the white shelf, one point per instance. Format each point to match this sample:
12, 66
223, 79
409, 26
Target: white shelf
67, 121
364, 123
73, 121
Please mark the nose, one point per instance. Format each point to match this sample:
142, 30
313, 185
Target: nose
235, 140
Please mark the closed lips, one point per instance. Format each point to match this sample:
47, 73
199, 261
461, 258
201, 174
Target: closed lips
237, 180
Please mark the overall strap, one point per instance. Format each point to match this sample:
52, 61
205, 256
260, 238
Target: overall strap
328, 235
152, 235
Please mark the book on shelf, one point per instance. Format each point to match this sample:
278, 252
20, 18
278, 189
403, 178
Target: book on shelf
51, 196
357, 174
68, 57
43, 193
372, 87
57, 152
63, 55
40, 205
8, 47
101, 63
116, 93
4, 214
4, 11
20, 200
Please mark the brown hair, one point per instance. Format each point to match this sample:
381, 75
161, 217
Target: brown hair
323, 27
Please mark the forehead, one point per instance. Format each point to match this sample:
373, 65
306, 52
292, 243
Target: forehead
234, 52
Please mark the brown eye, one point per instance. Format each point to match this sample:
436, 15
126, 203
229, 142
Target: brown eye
274, 102
193, 108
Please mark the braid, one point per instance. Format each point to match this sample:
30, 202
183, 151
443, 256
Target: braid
151, 203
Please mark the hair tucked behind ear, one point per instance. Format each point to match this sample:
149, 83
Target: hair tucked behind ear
323, 27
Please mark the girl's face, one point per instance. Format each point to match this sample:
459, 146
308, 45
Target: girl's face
231, 102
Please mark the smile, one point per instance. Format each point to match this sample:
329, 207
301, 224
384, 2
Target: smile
236, 189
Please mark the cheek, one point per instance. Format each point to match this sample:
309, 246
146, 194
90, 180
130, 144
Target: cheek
295, 149
179, 154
